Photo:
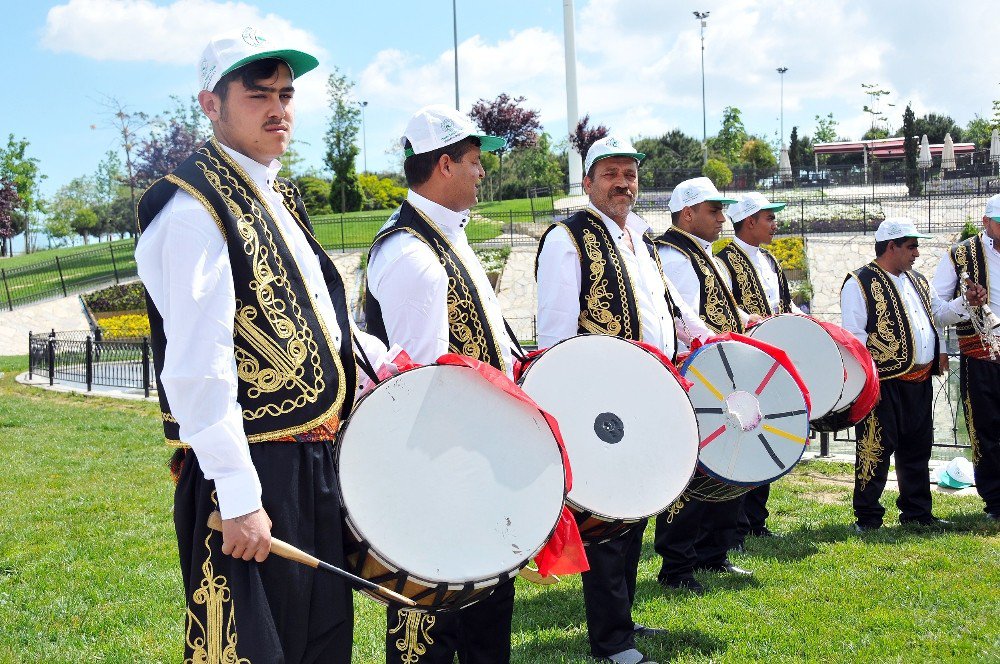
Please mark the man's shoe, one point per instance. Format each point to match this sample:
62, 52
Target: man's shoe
728, 567
642, 632
763, 531
688, 583
630, 656
930, 523
865, 528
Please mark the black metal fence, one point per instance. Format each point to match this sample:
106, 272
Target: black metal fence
79, 357
76, 273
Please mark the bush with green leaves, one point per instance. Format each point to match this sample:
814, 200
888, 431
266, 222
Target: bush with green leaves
717, 171
315, 194
123, 297
380, 193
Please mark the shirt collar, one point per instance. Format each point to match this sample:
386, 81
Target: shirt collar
449, 220
633, 222
988, 241
262, 175
749, 249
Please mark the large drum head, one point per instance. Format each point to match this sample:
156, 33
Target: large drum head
751, 413
814, 353
448, 477
627, 423
855, 380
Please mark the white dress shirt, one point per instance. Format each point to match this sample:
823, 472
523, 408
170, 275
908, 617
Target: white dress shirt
945, 279
560, 280
411, 286
183, 261
768, 276
854, 314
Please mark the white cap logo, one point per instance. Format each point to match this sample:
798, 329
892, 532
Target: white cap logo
611, 142
448, 130
251, 38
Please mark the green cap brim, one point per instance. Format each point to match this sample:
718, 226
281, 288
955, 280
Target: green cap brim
950, 482
491, 143
777, 207
996, 219
297, 61
721, 199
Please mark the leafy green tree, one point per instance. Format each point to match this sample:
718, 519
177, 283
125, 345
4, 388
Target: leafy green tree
505, 117
668, 157
793, 153
979, 131
935, 126
717, 171
910, 142
341, 143
875, 133
533, 166
315, 194
757, 153
72, 210
826, 129
9, 201
22, 171
728, 143
380, 193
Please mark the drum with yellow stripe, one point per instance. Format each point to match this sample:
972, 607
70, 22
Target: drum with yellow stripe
752, 415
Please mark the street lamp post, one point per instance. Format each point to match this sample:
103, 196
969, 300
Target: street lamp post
781, 71
701, 16
364, 136
454, 27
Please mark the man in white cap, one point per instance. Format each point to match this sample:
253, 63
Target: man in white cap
634, 302
427, 291
760, 288
890, 307
979, 369
252, 344
694, 533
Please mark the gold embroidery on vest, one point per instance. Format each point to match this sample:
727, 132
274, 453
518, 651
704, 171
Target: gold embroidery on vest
277, 367
597, 317
206, 640
414, 629
882, 343
869, 451
714, 311
462, 318
751, 290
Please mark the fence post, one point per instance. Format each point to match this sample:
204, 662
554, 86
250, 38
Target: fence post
51, 357
6, 287
111, 248
90, 363
145, 367
61, 279
31, 358
864, 215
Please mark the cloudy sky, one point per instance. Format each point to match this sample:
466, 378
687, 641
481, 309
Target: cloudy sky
638, 63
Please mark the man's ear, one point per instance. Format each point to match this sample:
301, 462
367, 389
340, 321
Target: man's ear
211, 104
444, 165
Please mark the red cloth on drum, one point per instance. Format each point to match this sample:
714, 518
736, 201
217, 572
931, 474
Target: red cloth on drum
563, 553
685, 383
521, 363
779, 356
872, 390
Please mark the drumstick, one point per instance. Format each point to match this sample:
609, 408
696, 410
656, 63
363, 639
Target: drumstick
289, 552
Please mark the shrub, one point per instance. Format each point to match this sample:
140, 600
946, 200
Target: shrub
717, 171
380, 193
124, 297
968, 230
315, 194
790, 252
129, 326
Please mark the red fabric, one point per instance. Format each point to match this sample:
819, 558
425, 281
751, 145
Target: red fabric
685, 383
520, 364
779, 355
563, 553
871, 391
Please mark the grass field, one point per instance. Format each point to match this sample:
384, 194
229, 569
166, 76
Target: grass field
88, 569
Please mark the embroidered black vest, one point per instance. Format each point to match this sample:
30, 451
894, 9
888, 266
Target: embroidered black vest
969, 256
716, 306
748, 287
890, 331
291, 379
469, 329
608, 301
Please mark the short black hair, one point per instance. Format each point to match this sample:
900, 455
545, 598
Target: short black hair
737, 225
883, 246
249, 74
419, 167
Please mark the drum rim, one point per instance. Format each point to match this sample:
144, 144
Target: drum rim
569, 501
362, 537
704, 469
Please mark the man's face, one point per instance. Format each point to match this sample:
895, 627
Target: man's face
902, 256
761, 227
465, 178
257, 121
614, 187
992, 229
705, 220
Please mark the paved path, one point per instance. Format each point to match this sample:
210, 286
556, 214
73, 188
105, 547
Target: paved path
63, 315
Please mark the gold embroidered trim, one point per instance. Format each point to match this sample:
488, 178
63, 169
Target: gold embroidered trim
869, 451
213, 642
414, 629
971, 426
200, 198
752, 298
597, 317
167, 417
676, 506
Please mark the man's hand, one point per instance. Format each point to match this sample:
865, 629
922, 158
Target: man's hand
248, 536
753, 320
975, 294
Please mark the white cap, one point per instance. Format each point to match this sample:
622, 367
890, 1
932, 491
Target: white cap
611, 146
961, 469
694, 191
993, 208
750, 204
894, 228
228, 52
437, 126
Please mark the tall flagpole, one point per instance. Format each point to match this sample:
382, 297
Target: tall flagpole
572, 112
454, 25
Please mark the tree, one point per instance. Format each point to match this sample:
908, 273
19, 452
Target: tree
669, 158
9, 202
826, 129
128, 124
380, 193
171, 140
341, 143
757, 153
584, 135
793, 153
505, 118
979, 131
533, 166
731, 137
935, 126
22, 171
910, 152
315, 193
72, 210
718, 173
875, 94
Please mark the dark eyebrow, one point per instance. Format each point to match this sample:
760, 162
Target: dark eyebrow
267, 88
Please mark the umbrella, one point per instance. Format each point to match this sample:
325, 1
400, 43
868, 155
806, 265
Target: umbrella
948, 154
784, 165
995, 146
924, 159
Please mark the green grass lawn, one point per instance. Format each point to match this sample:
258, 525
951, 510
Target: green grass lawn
88, 565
